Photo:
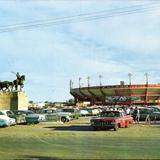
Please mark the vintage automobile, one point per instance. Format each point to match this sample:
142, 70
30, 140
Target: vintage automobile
92, 111
54, 115
84, 112
20, 119
3, 122
153, 112
6, 121
75, 113
30, 116
111, 120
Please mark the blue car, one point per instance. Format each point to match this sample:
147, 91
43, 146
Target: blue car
3, 123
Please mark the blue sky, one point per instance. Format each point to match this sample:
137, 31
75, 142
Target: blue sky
51, 56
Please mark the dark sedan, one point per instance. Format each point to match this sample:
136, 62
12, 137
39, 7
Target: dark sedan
153, 112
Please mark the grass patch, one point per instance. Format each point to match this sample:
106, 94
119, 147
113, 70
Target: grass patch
78, 141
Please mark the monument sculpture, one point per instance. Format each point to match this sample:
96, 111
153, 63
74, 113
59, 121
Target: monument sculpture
11, 94
10, 85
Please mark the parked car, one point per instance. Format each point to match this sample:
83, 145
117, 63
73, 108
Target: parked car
75, 113
20, 119
3, 122
84, 112
93, 111
153, 112
30, 116
6, 121
111, 120
54, 115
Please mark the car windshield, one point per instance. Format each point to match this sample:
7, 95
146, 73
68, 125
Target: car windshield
29, 112
145, 111
154, 109
10, 113
25, 112
68, 110
49, 111
39, 111
1, 113
110, 114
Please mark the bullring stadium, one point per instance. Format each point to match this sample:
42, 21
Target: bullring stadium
131, 94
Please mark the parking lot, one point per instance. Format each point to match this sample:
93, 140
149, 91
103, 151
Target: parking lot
76, 140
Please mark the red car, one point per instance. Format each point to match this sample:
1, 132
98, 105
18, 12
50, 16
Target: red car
111, 120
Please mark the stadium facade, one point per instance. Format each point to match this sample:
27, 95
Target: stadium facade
132, 94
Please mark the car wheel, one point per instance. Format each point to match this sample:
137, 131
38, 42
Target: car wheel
116, 127
126, 126
94, 128
63, 119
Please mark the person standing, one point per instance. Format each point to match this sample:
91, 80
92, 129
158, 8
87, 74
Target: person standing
136, 115
128, 111
18, 75
148, 119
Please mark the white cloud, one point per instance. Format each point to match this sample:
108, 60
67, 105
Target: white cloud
51, 56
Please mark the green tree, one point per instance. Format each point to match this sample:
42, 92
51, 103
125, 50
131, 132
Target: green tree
70, 102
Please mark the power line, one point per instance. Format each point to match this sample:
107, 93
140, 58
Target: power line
85, 14
80, 18
64, 20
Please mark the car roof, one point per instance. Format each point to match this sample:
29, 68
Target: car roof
147, 108
23, 110
111, 111
5, 110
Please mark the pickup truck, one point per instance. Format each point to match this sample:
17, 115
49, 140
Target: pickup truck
111, 120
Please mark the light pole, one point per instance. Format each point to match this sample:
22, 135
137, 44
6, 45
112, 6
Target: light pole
80, 82
146, 75
129, 76
88, 81
71, 84
100, 82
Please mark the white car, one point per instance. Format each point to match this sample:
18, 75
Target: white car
20, 119
6, 121
3, 123
84, 112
